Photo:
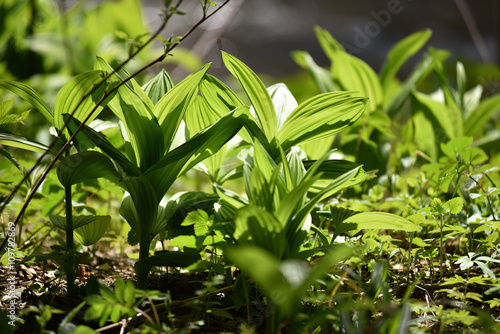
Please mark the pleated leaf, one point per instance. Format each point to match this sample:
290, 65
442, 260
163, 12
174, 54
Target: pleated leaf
202, 145
171, 107
438, 114
90, 233
158, 86
12, 140
70, 97
322, 77
78, 221
331, 170
321, 116
256, 92
29, 95
481, 115
400, 53
283, 101
88, 165
381, 220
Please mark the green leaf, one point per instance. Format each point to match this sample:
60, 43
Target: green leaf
454, 205
437, 113
78, 221
171, 107
263, 267
29, 95
198, 148
474, 123
321, 116
90, 233
321, 76
157, 87
394, 102
88, 165
100, 141
12, 140
140, 127
256, 92
353, 74
283, 101
381, 220
74, 97
400, 53
257, 227
330, 170
329, 44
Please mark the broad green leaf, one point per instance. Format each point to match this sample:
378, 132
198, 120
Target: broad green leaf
12, 140
5, 107
88, 165
394, 102
330, 170
454, 205
474, 123
78, 221
129, 213
381, 220
158, 86
472, 99
450, 100
171, 107
424, 134
456, 146
258, 227
9, 157
438, 114
198, 148
263, 267
400, 53
29, 95
75, 97
256, 92
146, 204
329, 45
140, 126
100, 141
197, 118
322, 77
321, 116
352, 74
90, 233
283, 101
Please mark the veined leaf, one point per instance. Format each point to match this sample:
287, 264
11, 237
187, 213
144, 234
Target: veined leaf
29, 95
88, 165
283, 101
330, 170
73, 97
256, 92
158, 86
329, 45
78, 221
146, 204
258, 227
198, 148
322, 77
12, 140
400, 53
353, 74
454, 205
421, 70
171, 107
438, 113
381, 220
90, 233
321, 116
477, 118
100, 141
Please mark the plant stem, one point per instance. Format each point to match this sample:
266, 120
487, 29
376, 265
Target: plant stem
70, 274
441, 250
141, 270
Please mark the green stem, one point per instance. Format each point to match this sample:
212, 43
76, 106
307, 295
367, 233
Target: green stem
441, 254
69, 241
409, 258
141, 270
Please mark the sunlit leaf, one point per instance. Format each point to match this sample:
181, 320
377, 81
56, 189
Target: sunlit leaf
90, 233
381, 220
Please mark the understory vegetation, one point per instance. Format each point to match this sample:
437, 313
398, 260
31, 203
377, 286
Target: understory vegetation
343, 200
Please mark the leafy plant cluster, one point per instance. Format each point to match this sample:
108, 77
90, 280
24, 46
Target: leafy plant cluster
371, 206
